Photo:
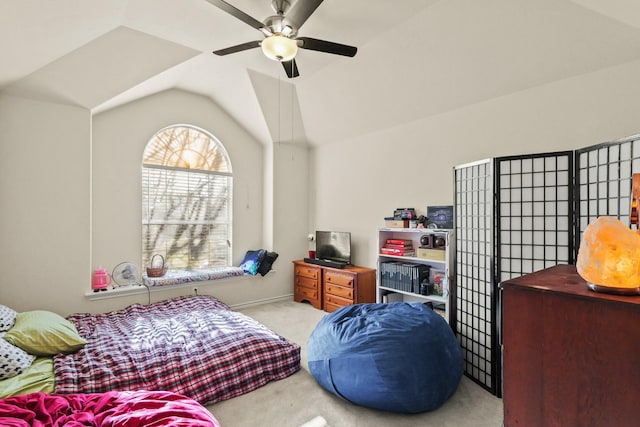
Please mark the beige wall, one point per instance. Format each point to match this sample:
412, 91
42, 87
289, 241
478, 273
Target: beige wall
119, 138
44, 218
82, 179
411, 165
291, 199
269, 183
51, 241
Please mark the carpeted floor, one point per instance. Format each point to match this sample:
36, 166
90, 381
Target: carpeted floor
298, 399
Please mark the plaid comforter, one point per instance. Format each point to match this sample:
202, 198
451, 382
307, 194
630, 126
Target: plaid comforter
194, 346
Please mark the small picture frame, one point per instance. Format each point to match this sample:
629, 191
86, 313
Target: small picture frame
440, 217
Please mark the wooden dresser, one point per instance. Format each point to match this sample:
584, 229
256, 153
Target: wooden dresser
571, 356
328, 288
307, 283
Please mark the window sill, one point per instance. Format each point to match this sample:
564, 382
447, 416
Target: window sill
186, 281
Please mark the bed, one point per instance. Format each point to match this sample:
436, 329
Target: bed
114, 409
192, 346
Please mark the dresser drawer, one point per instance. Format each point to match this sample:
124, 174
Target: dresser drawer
301, 294
339, 291
306, 282
309, 272
340, 279
330, 307
332, 299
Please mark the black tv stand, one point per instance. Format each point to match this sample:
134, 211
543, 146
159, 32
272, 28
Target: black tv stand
326, 262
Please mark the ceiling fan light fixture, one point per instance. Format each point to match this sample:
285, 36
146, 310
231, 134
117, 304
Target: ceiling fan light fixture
281, 41
279, 48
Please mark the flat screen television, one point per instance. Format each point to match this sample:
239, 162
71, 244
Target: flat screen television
333, 246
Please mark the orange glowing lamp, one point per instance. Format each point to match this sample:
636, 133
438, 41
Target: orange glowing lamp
609, 257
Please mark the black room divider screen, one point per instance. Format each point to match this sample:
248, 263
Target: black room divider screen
520, 214
603, 181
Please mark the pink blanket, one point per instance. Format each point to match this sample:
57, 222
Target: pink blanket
111, 409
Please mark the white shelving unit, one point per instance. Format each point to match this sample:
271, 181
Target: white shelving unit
443, 262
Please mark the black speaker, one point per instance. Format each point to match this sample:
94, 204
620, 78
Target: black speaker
426, 241
439, 242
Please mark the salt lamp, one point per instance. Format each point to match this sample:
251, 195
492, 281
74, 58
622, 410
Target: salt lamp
609, 257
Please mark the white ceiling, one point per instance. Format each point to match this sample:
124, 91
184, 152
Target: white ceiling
416, 58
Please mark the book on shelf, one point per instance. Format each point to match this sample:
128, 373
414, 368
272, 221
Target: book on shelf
402, 242
397, 251
392, 246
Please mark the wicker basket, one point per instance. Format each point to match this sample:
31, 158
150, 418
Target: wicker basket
156, 271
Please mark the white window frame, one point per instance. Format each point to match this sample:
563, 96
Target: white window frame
177, 161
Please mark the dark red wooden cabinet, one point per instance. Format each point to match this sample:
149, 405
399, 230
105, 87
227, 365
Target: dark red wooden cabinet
571, 356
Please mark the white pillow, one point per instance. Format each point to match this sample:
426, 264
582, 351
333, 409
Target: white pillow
13, 360
7, 317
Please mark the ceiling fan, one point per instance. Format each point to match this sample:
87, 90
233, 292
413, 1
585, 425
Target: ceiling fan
280, 31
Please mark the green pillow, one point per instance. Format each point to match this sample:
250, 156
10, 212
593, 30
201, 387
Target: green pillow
37, 377
44, 333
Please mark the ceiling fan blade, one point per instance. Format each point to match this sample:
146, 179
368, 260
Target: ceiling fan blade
237, 48
327, 47
291, 68
300, 12
232, 10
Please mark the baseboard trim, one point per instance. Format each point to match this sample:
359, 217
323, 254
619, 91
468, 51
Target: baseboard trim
287, 297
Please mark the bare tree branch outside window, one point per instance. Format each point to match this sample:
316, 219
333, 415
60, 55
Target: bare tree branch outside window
187, 186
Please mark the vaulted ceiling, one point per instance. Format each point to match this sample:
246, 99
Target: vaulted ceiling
416, 58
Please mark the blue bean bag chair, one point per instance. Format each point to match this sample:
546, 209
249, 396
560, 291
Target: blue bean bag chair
398, 357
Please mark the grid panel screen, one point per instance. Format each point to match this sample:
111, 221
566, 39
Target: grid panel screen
520, 214
474, 316
534, 211
603, 181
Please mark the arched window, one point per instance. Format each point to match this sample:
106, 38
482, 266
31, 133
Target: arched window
186, 199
